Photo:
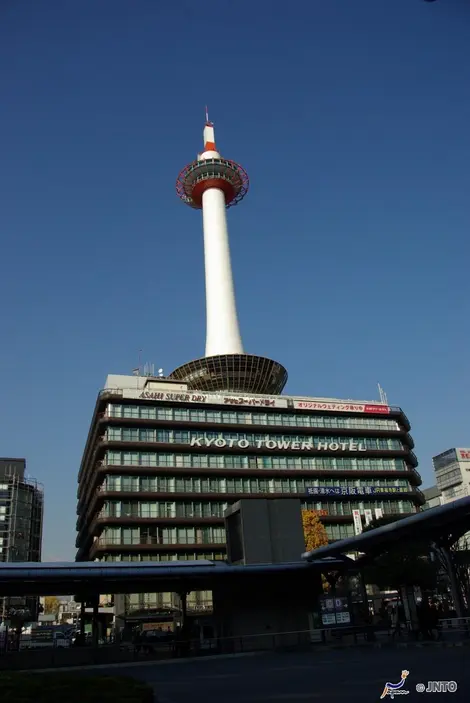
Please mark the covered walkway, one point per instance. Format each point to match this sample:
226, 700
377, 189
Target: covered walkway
89, 579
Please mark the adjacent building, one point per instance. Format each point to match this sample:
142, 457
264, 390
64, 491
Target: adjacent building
21, 515
452, 470
433, 497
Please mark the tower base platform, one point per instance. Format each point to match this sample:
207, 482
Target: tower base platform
242, 373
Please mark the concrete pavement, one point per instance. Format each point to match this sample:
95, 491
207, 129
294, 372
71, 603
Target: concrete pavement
354, 675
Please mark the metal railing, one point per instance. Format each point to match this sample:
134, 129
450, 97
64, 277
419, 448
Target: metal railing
171, 439
175, 646
246, 491
170, 515
191, 607
294, 422
150, 540
449, 629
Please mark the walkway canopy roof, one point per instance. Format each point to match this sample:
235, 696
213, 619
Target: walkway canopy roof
445, 523
93, 578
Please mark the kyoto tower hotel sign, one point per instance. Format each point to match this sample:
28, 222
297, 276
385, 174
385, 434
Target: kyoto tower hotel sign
213, 184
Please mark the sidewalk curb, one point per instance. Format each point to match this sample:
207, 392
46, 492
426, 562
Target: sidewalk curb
239, 655
134, 664
398, 645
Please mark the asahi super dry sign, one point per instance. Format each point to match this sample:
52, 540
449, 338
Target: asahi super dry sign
216, 399
153, 393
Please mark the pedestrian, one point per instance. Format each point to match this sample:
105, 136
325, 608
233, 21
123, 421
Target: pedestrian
395, 620
434, 622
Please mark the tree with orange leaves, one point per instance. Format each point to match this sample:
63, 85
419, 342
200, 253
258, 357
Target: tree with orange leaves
314, 530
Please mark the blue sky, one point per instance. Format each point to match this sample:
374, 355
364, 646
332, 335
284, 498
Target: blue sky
350, 252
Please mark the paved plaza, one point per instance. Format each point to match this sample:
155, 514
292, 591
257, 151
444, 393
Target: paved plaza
357, 675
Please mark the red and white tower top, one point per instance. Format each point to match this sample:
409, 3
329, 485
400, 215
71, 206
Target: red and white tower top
210, 170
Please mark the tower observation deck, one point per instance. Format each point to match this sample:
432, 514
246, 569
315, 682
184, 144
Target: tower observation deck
213, 184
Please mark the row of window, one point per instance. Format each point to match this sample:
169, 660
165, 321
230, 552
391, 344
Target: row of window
151, 484
135, 434
153, 535
135, 601
200, 484
335, 532
180, 556
232, 461
147, 412
449, 478
195, 509
154, 509
129, 537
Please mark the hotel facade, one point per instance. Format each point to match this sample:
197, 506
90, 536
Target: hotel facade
162, 463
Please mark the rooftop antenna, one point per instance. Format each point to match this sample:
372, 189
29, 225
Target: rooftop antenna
207, 116
136, 371
382, 394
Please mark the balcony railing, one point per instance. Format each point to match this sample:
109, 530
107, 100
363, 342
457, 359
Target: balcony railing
187, 442
420, 495
204, 467
295, 423
417, 477
156, 541
191, 607
221, 490
170, 515
118, 392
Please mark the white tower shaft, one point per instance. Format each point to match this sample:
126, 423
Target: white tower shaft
223, 333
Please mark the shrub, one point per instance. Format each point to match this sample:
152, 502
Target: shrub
72, 688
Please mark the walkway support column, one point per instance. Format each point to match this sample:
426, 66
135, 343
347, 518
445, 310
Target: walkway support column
82, 621
95, 622
454, 587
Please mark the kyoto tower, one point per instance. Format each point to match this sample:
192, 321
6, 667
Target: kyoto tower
213, 184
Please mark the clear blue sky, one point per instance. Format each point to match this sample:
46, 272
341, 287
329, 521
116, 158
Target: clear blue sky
351, 251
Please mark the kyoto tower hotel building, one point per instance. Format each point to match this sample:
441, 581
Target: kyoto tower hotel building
166, 456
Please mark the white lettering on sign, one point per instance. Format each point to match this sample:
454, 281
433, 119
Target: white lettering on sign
180, 397
357, 522
281, 444
208, 399
342, 407
262, 402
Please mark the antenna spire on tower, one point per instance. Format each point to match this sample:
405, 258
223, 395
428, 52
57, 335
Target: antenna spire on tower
208, 122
